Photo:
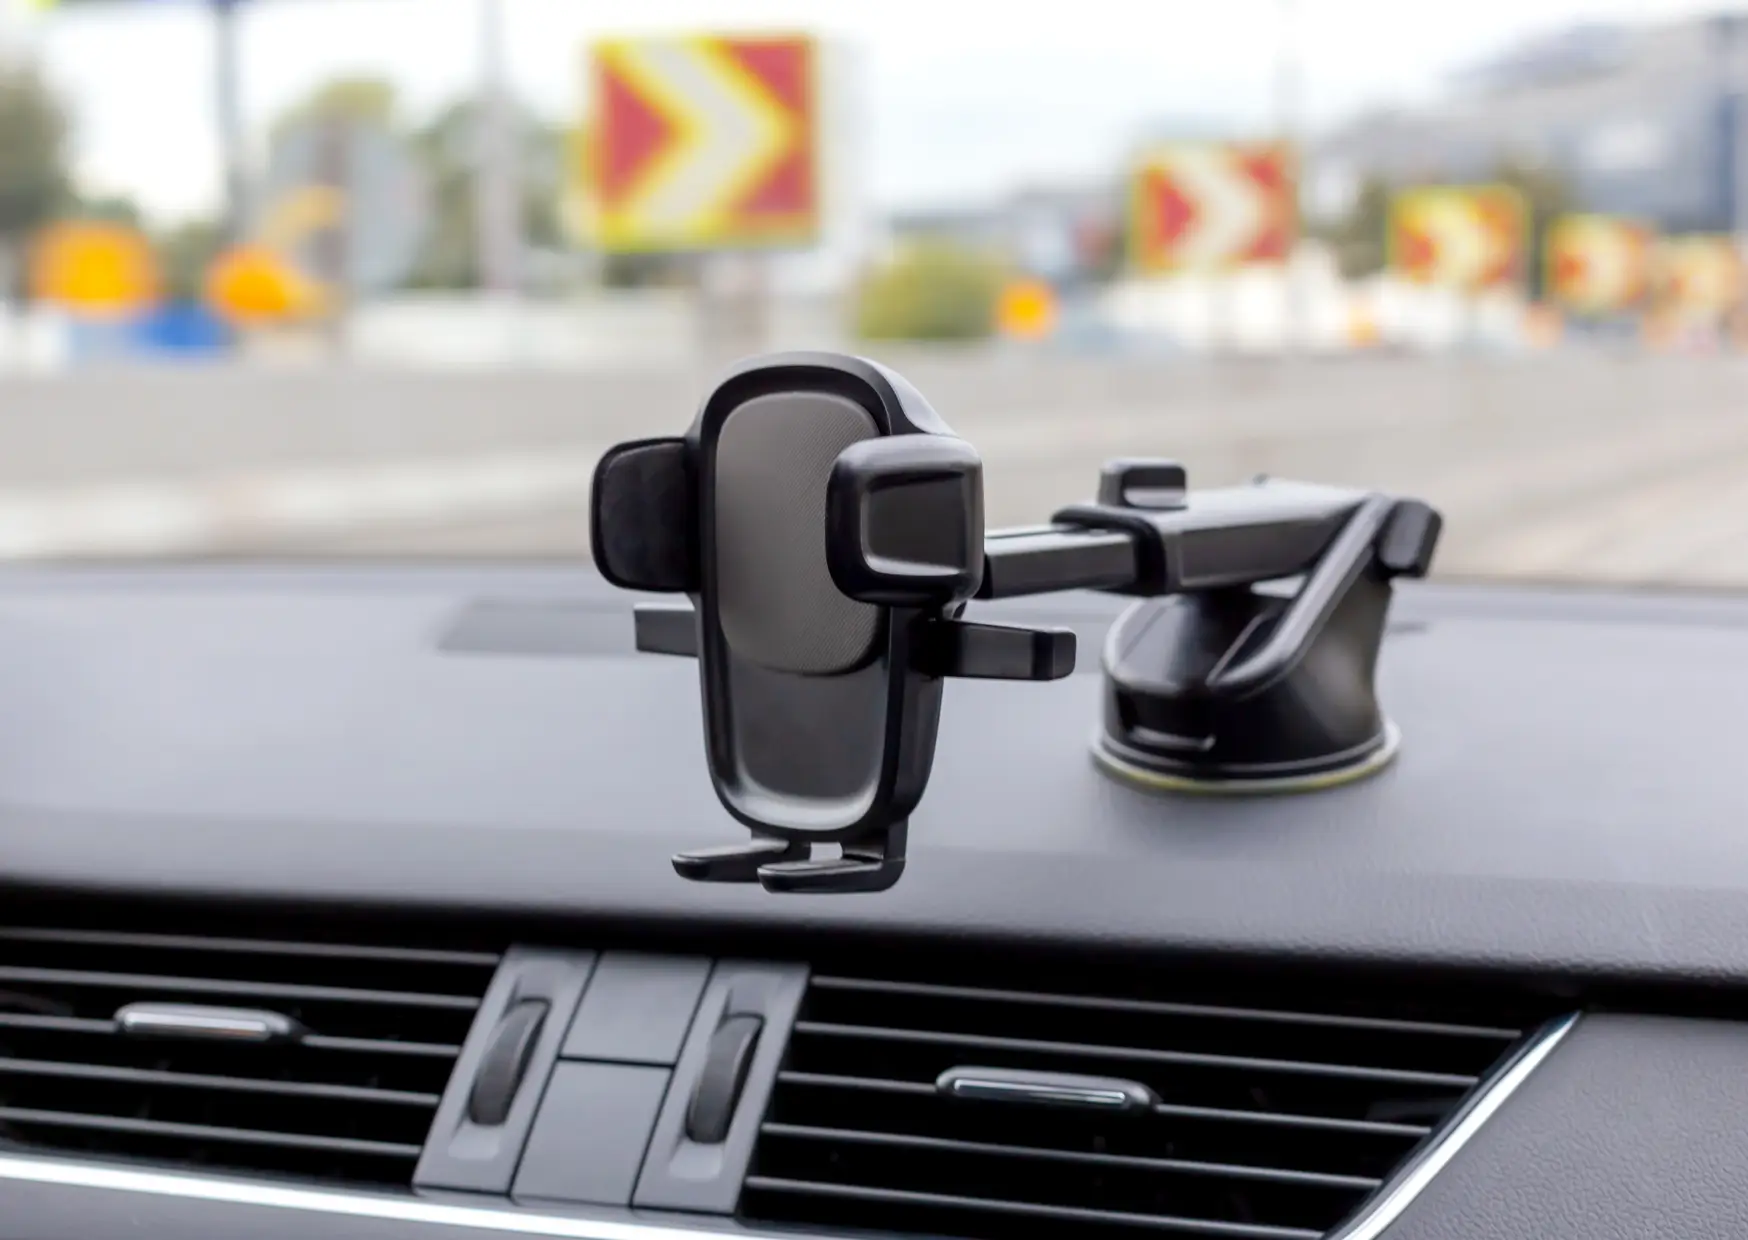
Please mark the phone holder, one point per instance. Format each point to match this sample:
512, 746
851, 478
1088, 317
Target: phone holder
827, 527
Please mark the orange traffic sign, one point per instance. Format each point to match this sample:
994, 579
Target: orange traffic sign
1470, 238
93, 268
1213, 205
1701, 277
1599, 264
254, 286
705, 142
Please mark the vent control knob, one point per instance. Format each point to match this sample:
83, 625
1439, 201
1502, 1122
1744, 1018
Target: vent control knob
505, 1063
720, 1082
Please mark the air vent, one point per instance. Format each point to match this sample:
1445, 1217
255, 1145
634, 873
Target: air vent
1176, 1118
343, 1089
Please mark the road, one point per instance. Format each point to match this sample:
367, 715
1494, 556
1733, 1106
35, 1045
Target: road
1561, 467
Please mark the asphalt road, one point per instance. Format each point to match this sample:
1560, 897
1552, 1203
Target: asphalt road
1561, 467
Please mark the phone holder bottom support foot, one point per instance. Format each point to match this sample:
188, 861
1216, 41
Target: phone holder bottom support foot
871, 864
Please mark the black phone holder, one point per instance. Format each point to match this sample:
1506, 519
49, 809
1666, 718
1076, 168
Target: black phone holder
827, 527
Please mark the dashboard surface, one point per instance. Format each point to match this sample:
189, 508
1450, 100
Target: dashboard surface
1569, 794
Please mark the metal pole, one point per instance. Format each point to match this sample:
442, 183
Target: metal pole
497, 180
1289, 106
227, 103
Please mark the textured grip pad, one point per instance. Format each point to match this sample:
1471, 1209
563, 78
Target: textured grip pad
775, 596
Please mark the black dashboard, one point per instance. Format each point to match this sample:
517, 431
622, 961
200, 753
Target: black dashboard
424, 757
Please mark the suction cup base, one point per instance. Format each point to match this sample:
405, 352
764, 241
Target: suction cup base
1152, 773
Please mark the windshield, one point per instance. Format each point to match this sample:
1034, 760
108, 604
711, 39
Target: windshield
318, 278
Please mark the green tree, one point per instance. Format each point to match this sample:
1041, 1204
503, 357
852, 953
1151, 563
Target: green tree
111, 209
930, 290
1357, 238
364, 100
448, 148
1548, 195
34, 185
186, 251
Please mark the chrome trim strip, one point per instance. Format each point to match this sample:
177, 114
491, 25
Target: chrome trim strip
351, 1205
1395, 1197
1370, 1224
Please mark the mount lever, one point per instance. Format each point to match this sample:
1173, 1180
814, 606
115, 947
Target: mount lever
827, 529
1219, 677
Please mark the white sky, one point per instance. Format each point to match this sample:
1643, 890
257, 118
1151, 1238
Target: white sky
962, 98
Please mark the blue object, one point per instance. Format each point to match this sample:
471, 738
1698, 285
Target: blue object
182, 328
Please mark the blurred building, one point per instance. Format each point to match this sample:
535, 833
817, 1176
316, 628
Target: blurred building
1639, 120
1065, 234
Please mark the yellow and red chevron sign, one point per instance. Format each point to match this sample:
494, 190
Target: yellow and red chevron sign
705, 142
1468, 237
1701, 277
1599, 264
1204, 206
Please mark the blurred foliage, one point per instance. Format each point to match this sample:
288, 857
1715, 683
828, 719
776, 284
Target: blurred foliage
930, 290
448, 148
365, 100
111, 209
1548, 195
1357, 238
185, 252
34, 185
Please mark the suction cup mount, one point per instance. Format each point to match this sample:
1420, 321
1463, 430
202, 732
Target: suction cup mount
827, 528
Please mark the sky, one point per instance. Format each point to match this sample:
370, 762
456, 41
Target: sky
957, 99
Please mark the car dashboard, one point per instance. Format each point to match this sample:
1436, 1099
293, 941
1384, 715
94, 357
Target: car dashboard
339, 899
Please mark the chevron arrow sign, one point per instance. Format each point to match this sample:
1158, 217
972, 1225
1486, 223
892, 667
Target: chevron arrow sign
1213, 205
705, 142
1599, 264
1701, 277
1469, 238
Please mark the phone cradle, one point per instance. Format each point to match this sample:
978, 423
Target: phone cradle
827, 527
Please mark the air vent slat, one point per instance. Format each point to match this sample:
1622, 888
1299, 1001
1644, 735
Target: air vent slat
209, 986
190, 1080
381, 1046
873, 1083
1197, 1011
59, 1024
1150, 1109
1188, 1059
1267, 1174
347, 1094
203, 1132
254, 947
1154, 1222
